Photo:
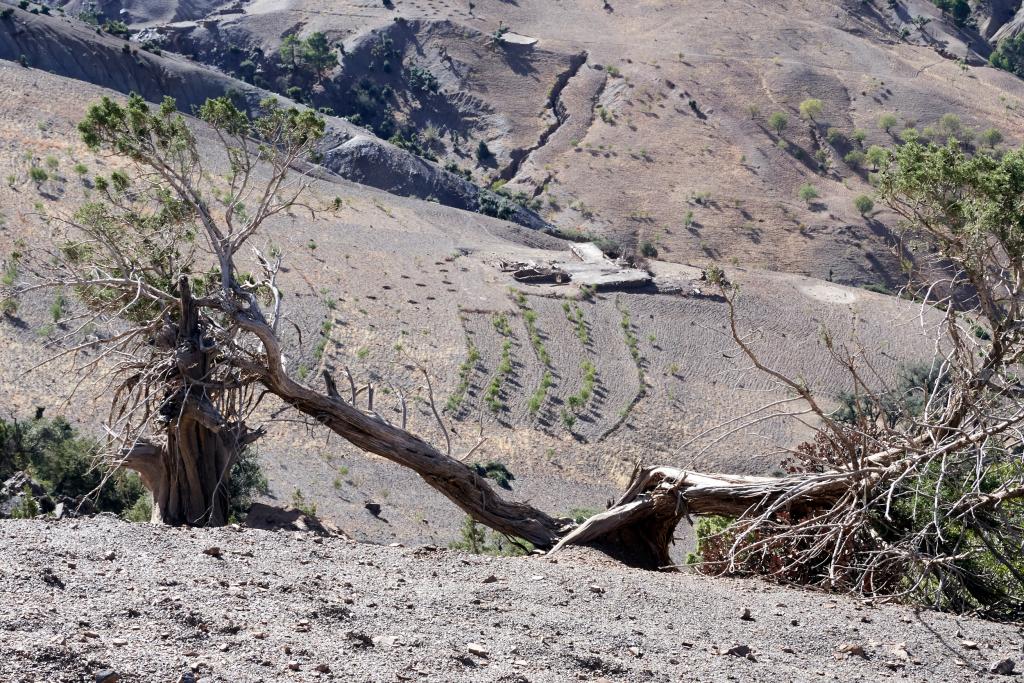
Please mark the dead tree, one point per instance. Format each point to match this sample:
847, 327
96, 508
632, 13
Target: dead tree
918, 497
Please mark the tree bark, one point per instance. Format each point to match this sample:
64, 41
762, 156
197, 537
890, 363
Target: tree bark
188, 471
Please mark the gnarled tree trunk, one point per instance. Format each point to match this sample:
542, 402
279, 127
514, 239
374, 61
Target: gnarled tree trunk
188, 471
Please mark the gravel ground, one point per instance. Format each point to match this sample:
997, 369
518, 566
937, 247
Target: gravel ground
161, 604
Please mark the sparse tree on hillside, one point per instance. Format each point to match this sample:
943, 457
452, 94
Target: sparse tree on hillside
990, 137
864, 204
808, 193
811, 109
313, 57
318, 55
289, 51
778, 122
887, 122
157, 253
876, 156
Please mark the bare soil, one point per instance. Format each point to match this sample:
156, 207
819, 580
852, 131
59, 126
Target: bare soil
153, 604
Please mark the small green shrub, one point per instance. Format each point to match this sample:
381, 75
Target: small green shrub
808, 193
864, 204
991, 137
811, 109
302, 504
475, 539
27, 507
496, 472
778, 122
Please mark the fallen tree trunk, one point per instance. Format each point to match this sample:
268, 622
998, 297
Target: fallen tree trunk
638, 528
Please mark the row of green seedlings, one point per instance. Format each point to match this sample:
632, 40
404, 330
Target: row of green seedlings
9, 305
530, 318
465, 373
547, 380
574, 314
318, 351
633, 344
579, 400
632, 341
493, 393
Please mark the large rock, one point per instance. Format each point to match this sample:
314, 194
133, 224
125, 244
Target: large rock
17, 489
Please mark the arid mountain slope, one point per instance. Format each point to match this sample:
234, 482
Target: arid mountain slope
381, 279
679, 94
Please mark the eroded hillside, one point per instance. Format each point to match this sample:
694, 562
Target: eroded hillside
588, 98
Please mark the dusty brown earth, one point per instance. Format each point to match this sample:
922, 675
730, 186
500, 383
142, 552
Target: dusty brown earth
152, 605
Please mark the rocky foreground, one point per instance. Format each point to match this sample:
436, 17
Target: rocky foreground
103, 600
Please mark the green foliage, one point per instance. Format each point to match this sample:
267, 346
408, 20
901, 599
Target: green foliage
475, 539
134, 130
117, 28
155, 224
493, 393
27, 507
530, 320
959, 10
710, 531
580, 515
580, 399
10, 270
855, 158
246, 482
876, 156
492, 204
863, 203
808, 193
302, 504
574, 314
632, 341
915, 385
540, 394
952, 127
990, 137
141, 512
501, 324
648, 249
1009, 55
465, 372
811, 109
420, 79
57, 307
38, 175
887, 122
778, 122
318, 55
496, 472
65, 463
